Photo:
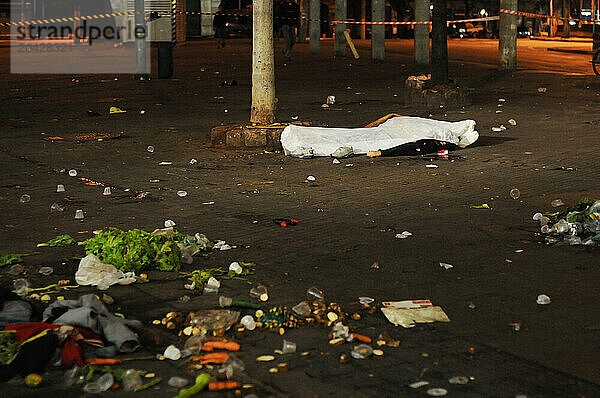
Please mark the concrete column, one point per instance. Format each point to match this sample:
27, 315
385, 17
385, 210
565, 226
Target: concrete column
439, 43
263, 72
341, 8
422, 33
378, 31
315, 26
363, 18
507, 43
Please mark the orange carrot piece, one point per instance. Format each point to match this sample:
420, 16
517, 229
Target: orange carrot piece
223, 385
221, 345
362, 338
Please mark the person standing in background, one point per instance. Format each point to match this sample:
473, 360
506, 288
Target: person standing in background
220, 25
288, 15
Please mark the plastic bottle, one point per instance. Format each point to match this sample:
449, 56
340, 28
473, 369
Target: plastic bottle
248, 322
178, 382
131, 380
106, 381
21, 286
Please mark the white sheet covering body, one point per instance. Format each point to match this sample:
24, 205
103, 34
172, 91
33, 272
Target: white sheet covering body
323, 141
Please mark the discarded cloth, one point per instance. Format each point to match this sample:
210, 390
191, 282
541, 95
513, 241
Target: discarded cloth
410, 312
94, 272
89, 312
13, 309
396, 131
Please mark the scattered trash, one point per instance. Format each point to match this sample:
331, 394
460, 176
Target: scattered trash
482, 206
24, 198
310, 178
236, 267
335, 161
131, 380
375, 265
107, 191
498, 129
330, 100
21, 286
288, 347
366, 300
150, 148
45, 271
56, 207
177, 382
259, 292
165, 163
403, 235
515, 193
543, 299
72, 173
437, 392
458, 380
211, 286
542, 89
169, 223
313, 293
284, 222
182, 194
349, 165
79, 214
512, 122
193, 161
575, 225
409, 312
16, 269
248, 322
221, 245
557, 203
114, 109
432, 166
361, 351
446, 265
173, 353
418, 384
60, 187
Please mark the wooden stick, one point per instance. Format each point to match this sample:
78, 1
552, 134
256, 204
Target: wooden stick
351, 44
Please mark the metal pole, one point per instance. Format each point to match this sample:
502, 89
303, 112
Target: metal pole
263, 73
507, 43
315, 26
378, 31
341, 7
422, 33
140, 39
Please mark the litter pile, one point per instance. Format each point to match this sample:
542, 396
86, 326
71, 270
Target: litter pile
576, 225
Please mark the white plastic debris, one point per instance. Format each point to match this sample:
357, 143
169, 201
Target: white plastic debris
93, 272
446, 265
169, 223
235, 267
60, 188
418, 384
407, 313
335, 161
106, 191
432, 166
73, 173
172, 353
543, 299
193, 161
403, 235
311, 178
512, 122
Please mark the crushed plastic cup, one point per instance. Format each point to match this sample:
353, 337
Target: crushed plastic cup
259, 292
56, 207
46, 271
150, 148
557, 203
169, 223
79, 214
403, 235
177, 382
289, 347
458, 380
73, 173
543, 299
131, 380
515, 193
16, 269
92, 388
194, 343
248, 322
335, 161
193, 161
330, 99
311, 178
172, 353
106, 191
181, 194
235, 267
361, 351
313, 293
60, 188
210, 289
21, 286
106, 381
225, 301
512, 122
302, 309
437, 392
24, 198
366, 300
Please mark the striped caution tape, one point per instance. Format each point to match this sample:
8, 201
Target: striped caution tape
494, 18
532, 15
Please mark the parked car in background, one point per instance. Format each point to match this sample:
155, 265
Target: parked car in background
239, 23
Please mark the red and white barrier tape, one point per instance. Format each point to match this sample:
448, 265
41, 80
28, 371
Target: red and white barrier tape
494, 18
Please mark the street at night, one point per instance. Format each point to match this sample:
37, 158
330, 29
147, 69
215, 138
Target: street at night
454, 228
